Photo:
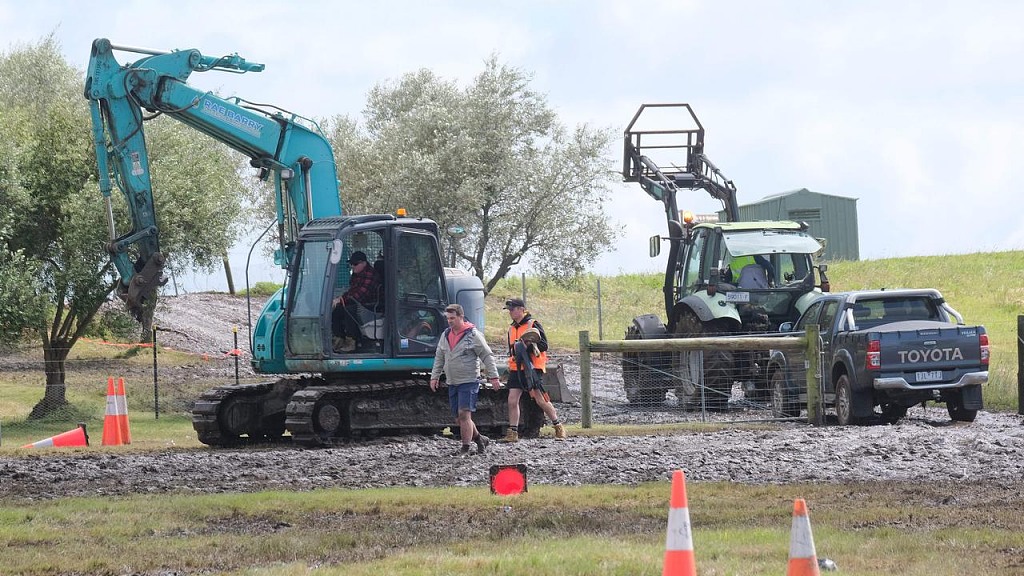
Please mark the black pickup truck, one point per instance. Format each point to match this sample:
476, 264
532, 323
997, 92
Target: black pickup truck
888, 348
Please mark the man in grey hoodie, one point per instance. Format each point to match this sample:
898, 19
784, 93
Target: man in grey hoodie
459, 352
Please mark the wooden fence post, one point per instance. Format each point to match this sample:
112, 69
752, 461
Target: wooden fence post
814, 415
587, 408
1020, 364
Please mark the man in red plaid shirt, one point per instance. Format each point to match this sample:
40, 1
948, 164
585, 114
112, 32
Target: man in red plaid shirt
362, 290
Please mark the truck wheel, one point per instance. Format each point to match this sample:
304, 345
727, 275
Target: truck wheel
892, 413
960, 414
844, 402
783, 405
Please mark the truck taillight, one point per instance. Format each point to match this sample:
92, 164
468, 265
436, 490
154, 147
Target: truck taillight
983, 341
874, 357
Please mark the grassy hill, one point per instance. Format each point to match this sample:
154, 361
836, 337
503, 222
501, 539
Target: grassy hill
986, 288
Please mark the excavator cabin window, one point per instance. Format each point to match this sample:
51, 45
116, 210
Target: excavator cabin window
370, 243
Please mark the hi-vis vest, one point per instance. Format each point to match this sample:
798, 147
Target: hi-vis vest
514, 333
737, 264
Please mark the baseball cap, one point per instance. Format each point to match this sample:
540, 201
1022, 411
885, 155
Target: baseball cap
357, 256
514, 303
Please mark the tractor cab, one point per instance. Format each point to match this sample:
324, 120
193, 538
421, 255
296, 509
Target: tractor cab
393, 264
756, 273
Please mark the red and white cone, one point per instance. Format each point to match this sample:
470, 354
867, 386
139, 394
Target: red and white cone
116, 430
803, 560
76, 437
679, 540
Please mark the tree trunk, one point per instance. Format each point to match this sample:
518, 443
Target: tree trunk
148, 312
54, 398
227, 271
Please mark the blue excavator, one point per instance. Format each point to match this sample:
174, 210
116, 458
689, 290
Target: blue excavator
322, 394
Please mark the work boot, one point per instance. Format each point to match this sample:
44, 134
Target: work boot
462, 452
482, 442
510, 436
349, 345
560, 432
337, 342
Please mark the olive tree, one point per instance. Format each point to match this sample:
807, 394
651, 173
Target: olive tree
55, 227
491, 158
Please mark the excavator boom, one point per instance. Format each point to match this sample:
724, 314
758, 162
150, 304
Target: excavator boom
278, 143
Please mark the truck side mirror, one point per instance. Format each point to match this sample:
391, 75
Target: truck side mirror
278, 257
786, 327
655, 246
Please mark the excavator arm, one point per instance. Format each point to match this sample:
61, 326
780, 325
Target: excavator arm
279, 143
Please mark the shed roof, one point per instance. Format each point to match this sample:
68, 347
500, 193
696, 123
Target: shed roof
800, 191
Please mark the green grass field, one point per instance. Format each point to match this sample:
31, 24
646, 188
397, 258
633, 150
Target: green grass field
88, 366
986, 288
882, 528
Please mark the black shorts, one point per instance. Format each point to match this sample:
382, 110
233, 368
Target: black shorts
516, 380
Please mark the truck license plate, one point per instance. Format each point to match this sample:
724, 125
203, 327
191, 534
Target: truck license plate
930, 376
737, 296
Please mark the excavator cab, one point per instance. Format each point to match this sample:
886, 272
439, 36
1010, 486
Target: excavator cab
401, 317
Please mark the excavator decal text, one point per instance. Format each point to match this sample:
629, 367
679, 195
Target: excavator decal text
247, 125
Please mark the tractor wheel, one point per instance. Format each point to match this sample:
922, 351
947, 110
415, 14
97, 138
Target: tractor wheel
718, 364
643, 386
783, 402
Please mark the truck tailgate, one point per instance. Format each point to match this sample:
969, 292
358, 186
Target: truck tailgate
926, 355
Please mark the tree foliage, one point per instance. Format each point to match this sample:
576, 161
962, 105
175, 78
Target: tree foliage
52, 221
198, 197
491, 157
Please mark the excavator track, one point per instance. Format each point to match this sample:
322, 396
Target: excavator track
330, 414
235, 415
320, 413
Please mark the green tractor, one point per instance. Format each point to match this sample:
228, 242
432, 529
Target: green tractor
721, 278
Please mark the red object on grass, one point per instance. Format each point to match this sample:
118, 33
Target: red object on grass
509, 479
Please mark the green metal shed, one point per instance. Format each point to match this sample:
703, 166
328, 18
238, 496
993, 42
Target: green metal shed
831, 217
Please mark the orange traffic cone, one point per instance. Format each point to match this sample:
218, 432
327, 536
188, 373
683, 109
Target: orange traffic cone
803, 560
126, 429
76, 437
678, 540
115, 424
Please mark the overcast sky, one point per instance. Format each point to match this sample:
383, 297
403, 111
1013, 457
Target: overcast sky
915, 109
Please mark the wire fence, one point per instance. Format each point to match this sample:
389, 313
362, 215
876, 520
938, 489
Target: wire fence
41, 395
720, 379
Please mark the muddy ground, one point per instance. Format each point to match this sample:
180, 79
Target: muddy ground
990, 451
925, 447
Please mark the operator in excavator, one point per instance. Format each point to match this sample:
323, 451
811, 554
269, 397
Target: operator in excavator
350, 309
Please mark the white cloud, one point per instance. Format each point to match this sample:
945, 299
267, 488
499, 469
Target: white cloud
912, 107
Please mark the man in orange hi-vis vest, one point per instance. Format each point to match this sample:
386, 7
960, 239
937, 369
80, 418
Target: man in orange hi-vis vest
527, 362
